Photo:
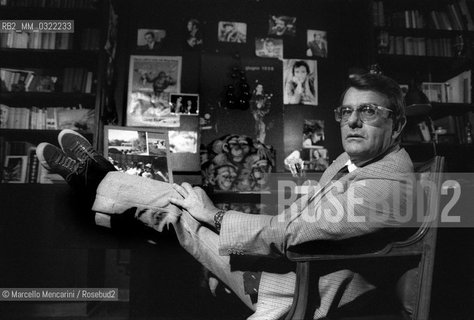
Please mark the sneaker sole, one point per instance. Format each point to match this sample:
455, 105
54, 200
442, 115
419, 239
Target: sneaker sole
39, 154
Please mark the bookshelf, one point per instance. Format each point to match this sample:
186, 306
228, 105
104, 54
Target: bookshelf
51, 81
429, 44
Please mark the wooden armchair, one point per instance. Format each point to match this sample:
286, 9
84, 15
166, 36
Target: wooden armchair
413, 283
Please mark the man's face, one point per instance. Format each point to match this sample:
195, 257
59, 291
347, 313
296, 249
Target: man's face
149, 38
280, 25
362, 141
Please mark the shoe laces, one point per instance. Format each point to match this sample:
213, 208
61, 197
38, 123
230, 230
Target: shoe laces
73, 166
68, 163
82, 152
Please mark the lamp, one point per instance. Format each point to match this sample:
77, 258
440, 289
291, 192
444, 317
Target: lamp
416, 102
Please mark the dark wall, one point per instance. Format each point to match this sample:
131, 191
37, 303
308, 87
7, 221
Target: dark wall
208, 70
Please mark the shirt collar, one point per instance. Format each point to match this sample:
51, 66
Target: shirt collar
350, 166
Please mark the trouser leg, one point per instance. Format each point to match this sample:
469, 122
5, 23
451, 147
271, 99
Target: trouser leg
203, 244
119, 191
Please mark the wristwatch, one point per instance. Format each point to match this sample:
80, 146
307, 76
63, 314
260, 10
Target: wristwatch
218, 219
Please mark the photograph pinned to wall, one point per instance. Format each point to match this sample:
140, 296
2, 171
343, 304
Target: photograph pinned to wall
269, 48
317, 43
150, 39
15, 169
282, 26
300, 81
313, 133
184, 103
193, 34
151, 80
314, 153
232, 32
260, 106
141, 152
183, 141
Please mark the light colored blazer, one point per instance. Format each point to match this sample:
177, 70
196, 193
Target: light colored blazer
376, 193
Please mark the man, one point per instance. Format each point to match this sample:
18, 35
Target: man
317, 47
229, 33
371, 119
151, 43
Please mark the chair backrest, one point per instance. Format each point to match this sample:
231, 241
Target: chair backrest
317, 258
414, 286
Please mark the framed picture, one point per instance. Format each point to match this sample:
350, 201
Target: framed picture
150, 39
232, 32
15, 169
139, 151
300, 81
317, 45
184, 103
150, 82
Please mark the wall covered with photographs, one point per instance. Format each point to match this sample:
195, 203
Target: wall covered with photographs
269, 70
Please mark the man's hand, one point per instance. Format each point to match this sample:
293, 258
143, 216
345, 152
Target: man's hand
196, 202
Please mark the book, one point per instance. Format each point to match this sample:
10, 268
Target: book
33, 164
4, 114
51, 118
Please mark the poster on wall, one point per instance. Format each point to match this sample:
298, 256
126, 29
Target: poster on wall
300, 82
150, 39
232, 32
317, 44
137, 151
151, 80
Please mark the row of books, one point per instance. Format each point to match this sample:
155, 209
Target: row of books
90, 40
418, 46
37, 80
456, 89
50, 3
48, 118
19, 164
36, 40
453, 16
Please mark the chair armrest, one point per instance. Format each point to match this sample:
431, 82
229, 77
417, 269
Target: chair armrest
367, 246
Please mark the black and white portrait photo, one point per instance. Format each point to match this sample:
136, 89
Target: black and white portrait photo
150, 39
282, 26
317, 44
269, 48
184, 103
232, 32
193, 34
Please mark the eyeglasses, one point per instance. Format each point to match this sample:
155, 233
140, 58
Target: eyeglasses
368, 113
